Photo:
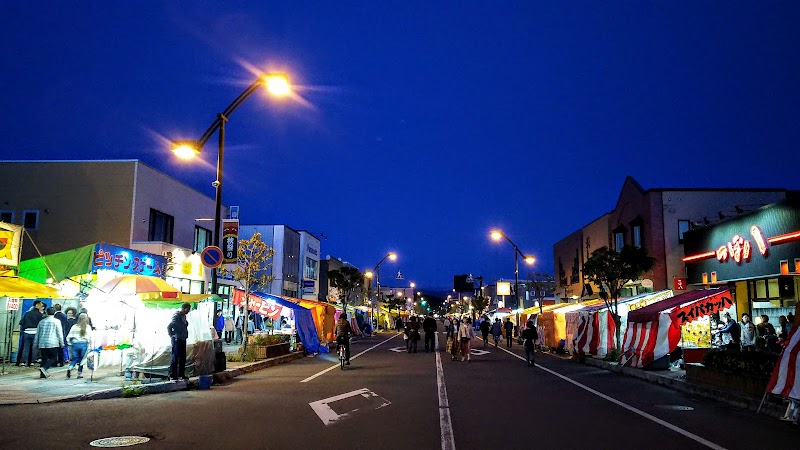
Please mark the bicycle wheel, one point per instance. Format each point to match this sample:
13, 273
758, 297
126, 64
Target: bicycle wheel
341, 359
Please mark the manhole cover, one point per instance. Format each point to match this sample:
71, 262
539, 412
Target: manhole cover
675, 407
119, 441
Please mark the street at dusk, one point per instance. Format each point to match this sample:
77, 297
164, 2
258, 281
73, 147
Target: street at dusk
416, 224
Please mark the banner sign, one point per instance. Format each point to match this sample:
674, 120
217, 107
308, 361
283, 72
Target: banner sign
125, 260
503, 288
259, 305
12, 304
10, 240
230, 241
700, 308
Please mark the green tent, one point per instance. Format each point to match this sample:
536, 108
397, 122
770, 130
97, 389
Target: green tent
70, 263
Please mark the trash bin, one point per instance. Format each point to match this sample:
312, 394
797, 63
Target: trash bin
205, 381
219, 361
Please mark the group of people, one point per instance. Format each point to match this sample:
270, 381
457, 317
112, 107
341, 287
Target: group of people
411, 332
61, 338
747, 336
460, 334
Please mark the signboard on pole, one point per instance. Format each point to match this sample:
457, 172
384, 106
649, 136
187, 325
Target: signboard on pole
230, 241
503, 288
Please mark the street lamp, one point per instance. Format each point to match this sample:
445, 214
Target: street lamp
278, 86
497, 235
392, 256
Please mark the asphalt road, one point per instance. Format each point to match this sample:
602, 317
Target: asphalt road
394, 400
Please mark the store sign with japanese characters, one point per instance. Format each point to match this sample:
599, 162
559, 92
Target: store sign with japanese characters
701, 308
124, 260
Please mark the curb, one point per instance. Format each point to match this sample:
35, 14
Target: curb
728, 397
174, 386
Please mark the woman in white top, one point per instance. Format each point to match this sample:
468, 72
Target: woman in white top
78, 338
466, 334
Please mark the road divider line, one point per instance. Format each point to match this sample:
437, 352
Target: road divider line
445, 424
351, 358
630, 408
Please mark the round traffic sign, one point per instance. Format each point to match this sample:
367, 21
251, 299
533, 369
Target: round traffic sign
211, 256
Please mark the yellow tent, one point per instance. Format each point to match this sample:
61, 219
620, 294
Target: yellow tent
553, 321
24, 288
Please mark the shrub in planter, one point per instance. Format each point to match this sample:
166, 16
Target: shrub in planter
758, 364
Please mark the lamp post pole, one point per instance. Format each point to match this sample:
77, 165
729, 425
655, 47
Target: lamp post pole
277, 84
377, 272
496, 235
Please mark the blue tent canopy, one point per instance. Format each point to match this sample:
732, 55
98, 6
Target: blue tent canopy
303, 320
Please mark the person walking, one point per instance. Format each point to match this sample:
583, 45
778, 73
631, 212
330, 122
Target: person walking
497, 331
63, 353
178, 330
509, 327
466, 334
430, 328
229, 328
529, 337
239, 326
49, 339
78, 340
485, 327
28, 324
412, 331
219, 324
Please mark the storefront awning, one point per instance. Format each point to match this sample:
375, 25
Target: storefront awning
70, 263
20, 287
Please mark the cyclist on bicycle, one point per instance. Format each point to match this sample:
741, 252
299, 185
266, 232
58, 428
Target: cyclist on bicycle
343, 336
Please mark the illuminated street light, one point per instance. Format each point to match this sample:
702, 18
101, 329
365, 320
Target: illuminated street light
497, 235
278, 86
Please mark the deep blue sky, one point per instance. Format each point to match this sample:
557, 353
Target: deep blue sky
419, 125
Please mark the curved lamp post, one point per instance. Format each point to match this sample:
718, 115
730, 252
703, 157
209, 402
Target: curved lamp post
497, 235
377, 271
277, 85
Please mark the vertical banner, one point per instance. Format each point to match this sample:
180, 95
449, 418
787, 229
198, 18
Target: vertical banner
230, 241
10, 240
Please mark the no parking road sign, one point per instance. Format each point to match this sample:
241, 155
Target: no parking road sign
211, 256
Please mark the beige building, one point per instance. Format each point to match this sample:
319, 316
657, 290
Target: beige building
68, 204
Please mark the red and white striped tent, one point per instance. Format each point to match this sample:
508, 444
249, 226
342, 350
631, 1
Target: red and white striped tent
655, 330
785, 380
596, 331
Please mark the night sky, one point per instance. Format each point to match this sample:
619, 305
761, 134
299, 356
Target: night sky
417, 126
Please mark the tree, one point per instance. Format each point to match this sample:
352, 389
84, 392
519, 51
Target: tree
346, 280
249, 271
541, 282
479, 304
394, 302
610, 270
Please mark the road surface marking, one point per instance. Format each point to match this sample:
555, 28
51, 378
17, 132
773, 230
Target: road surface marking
351, 358
445, 424
478, 352
398, 349
630, 408
329, 416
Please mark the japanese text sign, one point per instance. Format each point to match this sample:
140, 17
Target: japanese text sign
700, 308
124, 260
230, 241
12, 304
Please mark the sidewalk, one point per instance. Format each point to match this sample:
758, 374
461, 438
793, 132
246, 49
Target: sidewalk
676, 379
22, 385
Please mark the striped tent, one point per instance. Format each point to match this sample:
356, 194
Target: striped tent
785, 380
596, 332
655, 330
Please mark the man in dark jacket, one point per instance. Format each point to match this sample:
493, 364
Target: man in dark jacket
429, 327
63, 319
509, 327
27, 328
178, 330
485, 327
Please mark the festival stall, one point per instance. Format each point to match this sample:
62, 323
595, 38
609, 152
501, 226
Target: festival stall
552, 323
274, 307
592, 331
130, 315
654, 331
785, 379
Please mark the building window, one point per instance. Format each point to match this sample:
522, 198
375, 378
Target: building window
161, 227
30, 219
619, 238
311, 269
7, 216
636, 236
202, 238
683, 227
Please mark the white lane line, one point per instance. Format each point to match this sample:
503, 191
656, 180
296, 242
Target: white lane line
630, 408
351, 358
445, 424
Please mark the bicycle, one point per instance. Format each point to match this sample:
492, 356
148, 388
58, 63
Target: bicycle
342, 356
